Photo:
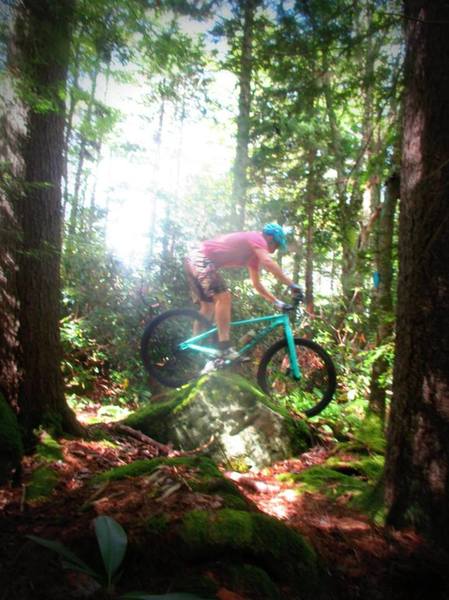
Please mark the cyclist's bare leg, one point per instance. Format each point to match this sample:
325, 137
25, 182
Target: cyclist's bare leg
223, 315
207, 310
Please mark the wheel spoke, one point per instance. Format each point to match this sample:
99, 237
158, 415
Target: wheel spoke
316, 385
161, 351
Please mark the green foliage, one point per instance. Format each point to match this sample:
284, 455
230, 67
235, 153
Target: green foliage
112, 541
354, 472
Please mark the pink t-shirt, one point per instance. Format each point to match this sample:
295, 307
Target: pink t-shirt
235, 249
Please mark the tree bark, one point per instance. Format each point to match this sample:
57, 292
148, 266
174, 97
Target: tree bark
417, 468
46, 35
383, 298
310, 213
77, 199
240, 182
12, 127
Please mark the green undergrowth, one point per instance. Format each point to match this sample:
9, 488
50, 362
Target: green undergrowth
354, 473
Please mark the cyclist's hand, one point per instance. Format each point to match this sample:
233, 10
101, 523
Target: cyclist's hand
283, 306
297, 292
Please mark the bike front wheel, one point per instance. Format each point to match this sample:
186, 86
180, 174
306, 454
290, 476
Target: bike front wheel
313, 391
160, 346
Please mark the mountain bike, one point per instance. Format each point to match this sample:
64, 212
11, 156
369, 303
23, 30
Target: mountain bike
296, 372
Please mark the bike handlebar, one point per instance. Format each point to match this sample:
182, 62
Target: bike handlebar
297, 298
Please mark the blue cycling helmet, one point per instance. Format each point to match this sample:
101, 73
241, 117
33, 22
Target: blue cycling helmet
277, 233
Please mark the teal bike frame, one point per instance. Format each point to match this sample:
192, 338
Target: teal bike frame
273, 321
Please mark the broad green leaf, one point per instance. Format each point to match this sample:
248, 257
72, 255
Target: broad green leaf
112, 540
71, 559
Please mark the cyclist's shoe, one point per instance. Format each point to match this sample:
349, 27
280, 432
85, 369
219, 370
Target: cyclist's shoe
229, 355
209, 367
225, 358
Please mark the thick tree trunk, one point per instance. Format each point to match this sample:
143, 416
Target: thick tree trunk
12, 127
417, 472
45, 33
240, 182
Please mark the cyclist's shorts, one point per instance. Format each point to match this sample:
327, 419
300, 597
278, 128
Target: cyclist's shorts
203, 277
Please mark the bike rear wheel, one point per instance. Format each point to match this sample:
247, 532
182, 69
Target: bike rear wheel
163, 358
313, 391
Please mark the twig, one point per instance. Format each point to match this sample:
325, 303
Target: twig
138, 435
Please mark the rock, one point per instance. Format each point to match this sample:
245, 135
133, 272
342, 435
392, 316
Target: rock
233, 421
206, 537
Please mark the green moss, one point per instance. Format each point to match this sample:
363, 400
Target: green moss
157, 524
235, 502
252, 580
48, 448
233, 380
152, 418
42, 484
369, 437
361, 479
205, 466
228, 527
282, 550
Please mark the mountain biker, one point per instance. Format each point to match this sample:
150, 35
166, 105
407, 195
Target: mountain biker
249, 249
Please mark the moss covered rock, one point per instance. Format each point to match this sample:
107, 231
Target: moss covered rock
208, 536
11, 448
233, 419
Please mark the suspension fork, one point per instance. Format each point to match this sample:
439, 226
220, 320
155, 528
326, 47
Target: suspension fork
288, 332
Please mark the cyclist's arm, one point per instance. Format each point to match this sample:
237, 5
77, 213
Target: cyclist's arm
257, 284
270, 265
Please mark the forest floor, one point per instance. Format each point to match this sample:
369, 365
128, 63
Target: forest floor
363, 560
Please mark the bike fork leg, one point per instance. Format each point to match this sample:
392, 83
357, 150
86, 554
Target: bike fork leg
296, 371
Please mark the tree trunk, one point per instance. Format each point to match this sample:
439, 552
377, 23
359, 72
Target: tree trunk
77, 199
240, 182
156, 167
417, 468
383, 298
73, 101
310, 213
45, 33
12, 126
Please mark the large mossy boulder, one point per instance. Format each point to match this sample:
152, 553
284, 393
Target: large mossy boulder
233, 421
